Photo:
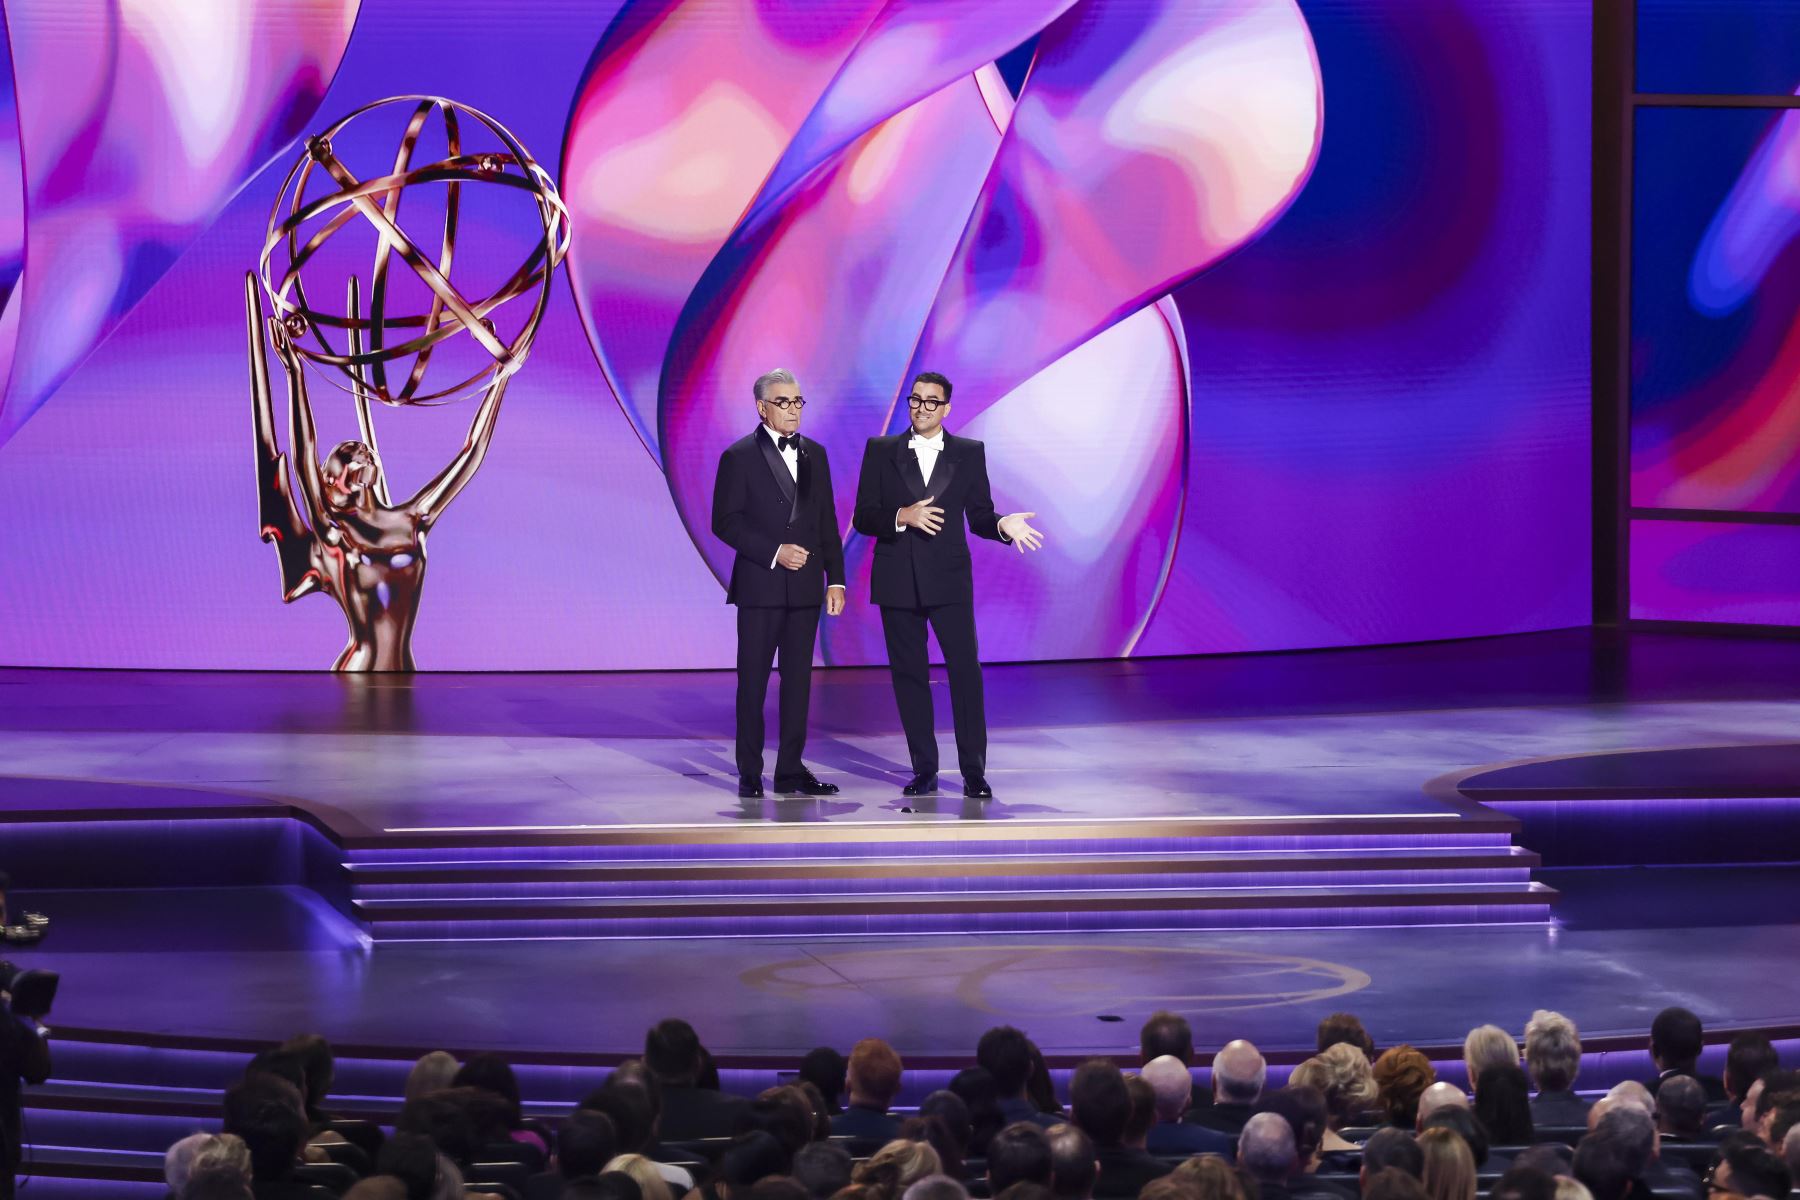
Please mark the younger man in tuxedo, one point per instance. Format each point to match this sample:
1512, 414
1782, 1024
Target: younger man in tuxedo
772, 504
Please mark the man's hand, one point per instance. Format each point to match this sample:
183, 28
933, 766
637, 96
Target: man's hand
1017, 527
791, 556
922, 516
834, 601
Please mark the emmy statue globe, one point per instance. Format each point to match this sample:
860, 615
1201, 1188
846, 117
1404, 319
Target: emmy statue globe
346, 536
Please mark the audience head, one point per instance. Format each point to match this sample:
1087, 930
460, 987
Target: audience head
628, 1107
1790, 1151
934, 1133
1166, 1033
1552, 1159
651, 1184
1458, 1119
1630, 1133
776, 1187
1676, 1039
1750, 1169
816, 1104
217, 1185
1345, 1029
1760, 1099
898, 1165
1552, 1051
1401, 1076
873, 1074
1169, 1079
1208, 1177
672, 1052
823, 1169
824, 1068
178, 1160
1449, 1166
266, 1112
1020, 1152
1303, 1108
1006, 1053
1074, 1163
950, 1108
1488, 1046
432, 1073
1393, 1184
936, 1187
607, 1185
1503, 1105
1525, 1183
1438, 1095
282, 1064
782, 1112
1392, 1149
1143, 1111
377, 1187
978, 1092
1681, 1106
1782, 1117
1570, 1188
753, 1155
1040, 1089
1342, 1074
416, 1162
1238, 1072
585, 1144
494, 1075
1266, 1148
1750, 1057
315, 1057
1099, 1102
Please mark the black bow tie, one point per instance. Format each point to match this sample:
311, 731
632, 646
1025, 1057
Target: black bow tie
782, 443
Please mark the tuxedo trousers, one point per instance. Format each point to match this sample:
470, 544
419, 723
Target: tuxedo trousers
909, 665
765, 634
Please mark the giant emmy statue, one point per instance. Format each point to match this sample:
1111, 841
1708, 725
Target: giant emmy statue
347, 537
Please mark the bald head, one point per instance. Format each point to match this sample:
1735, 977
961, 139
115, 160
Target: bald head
1266, 1148
1630, 1094
1440, 1095
1238, 1071
1168, 1077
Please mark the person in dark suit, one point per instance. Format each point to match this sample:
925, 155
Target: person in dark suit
672, 1054
874, 1075
1100, 1105
1676, 1040
772, 503
916, 492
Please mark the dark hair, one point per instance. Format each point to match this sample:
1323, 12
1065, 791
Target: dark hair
981, 1094
216, 1184
1552, 1159
750, 1157
1391, 1183
953, 1111
780, 1112
1503, 1105
1040, 1089
1167, 1033
935, 1133
778, 1187
1774, 1084
1303, 1108
1676, 1038
1601, 1166
449, 1117
285, 1065
492, 1074
585, 1144
1020, 1152
1393, 1149
265, 1111
1755, 1169
628, 1106
1750, 1056
1006, 1053
412, 1159
608, 1185
1143, 1108
672, 1051
1681, 1102
1074, 1166
1026, 1190
1525, 1183
942, 381
822, 1168
1101, 1105
825, 1067
1462, 1122
1348, 1028
314, 1054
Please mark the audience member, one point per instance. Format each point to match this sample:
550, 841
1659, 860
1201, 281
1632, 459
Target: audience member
1747, 1167
1304, 1110
1021, 1151
1761, 1096
1749, 1058
1487, 1046
823, 1169
265, 1112
1391, 1149
216, 1184
1676, 1040
1553, 1058
1790, 1151
1172, 1084
1345, 1029
607, 1185
1552, 1158
1238, 1074
949, 1108
1342, 1074
586, 1142
1570, 1188
1005, 1053
377, 1187
936, 1134
1784, 1114
933, 1187
1168, 1034
975, 1087
432, 1073
1040, 1089
493, 1075
1267, 1154
1460, 1120
783, 1112
672, 1052
1208, 1177
1524, 1183
1401, 1076
1681, 1108
1438, 1095
1100, 1103
873, 1076
178, 1160
817, 1106
1392, 1184
824, 1068
1074, 1163
1449, 1166
897, 1165
647, 1174
1503, 1105
1027, 1191
630, 1098
1143, 1112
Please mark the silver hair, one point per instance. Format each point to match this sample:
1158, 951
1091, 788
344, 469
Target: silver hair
1552, 1050
778, 375
178, 1162
1266, 1148
1488, 1046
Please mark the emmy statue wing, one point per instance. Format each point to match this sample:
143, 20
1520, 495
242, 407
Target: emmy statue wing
277, 514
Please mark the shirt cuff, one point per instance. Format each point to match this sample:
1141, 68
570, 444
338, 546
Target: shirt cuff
838, 586
776, 561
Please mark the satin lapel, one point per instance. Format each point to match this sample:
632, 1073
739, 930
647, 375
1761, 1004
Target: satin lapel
945, 471
777, 468
908, 462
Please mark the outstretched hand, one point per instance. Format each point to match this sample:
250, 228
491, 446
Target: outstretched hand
1017, 527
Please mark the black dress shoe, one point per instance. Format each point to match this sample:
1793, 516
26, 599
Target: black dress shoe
804, 784
921, 785
977, 789
750, 789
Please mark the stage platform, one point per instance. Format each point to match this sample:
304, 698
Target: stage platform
1431, 836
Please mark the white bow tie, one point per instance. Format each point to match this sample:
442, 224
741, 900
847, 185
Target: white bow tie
932, 443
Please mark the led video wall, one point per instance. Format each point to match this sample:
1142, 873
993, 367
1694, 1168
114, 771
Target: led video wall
1275, 313
1715, 314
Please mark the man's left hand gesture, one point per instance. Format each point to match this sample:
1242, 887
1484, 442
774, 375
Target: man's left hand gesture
834, 601
1017, 527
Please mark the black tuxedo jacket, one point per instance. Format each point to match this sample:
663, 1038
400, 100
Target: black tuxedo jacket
757, 506
913, 568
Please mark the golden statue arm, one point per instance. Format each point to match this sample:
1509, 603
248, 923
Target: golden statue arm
435, 496
278, 516
302, 433
365, 418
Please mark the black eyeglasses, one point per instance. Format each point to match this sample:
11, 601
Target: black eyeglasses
929, 406
797, 403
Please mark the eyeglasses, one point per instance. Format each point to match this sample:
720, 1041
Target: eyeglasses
781, 402
929, 406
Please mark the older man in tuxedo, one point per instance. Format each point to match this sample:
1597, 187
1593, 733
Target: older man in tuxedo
915, 494
772, 504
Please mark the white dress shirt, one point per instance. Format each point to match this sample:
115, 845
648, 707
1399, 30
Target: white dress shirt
927, 450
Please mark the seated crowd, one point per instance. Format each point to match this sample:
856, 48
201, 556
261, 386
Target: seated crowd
1350, 1124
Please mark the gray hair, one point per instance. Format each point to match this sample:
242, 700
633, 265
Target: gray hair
1552, 1050
1168, 1077
1790, 1150
767, 378
178, 1163
936, 1187
1633, 1131
1266, 1148
1488, 1046
227, 1153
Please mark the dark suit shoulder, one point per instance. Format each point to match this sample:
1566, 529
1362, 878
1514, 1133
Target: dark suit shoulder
973, 445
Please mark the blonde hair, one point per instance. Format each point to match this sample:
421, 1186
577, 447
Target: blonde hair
227, 1154
897, 1166
432, 1073
641, 1169
1449, 1172
1552, 1050
1570, 1188
1488, 1046
1209, 1177
1342, 1073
